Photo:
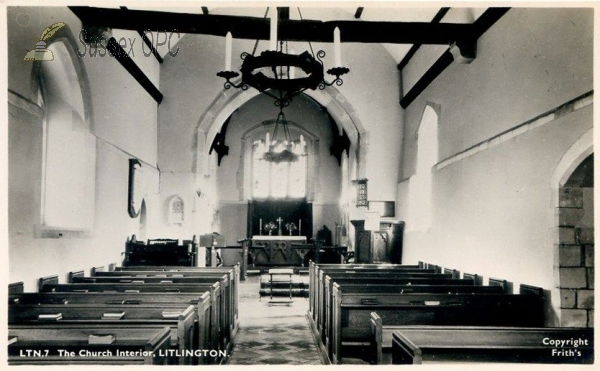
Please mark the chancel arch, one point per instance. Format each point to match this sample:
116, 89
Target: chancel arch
227, 101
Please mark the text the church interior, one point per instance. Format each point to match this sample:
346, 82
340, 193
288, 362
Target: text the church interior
325, 184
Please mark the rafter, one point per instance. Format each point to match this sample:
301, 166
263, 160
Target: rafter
358, 13
438, 17
123, 58
465, 46
258, 28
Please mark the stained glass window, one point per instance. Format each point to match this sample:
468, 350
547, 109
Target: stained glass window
279, 179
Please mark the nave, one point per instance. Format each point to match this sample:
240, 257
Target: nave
272, 334
354, 314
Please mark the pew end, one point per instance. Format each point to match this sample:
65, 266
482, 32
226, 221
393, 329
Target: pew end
477, 279
453, 272
531, 290
16, 288
93, 270
508, 286
155, 341
48, 280
73, 274
377, 336
404, 351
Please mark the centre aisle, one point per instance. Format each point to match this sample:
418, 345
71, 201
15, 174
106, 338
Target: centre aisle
272, 334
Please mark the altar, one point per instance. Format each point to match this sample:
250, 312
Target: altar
277, 250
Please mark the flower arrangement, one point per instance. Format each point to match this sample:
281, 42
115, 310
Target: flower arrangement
270, 227
291, 227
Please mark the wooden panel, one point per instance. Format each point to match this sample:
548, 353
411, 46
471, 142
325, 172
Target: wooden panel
16, 287
49, 339
508, 286
471, 344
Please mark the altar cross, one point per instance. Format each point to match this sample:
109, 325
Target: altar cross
279, 220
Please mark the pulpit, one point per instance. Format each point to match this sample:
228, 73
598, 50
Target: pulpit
276, 250
379, 246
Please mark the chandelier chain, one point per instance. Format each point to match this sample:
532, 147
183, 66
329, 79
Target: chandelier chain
256, 42
309, 44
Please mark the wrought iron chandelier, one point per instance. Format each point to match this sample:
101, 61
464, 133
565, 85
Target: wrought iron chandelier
272, 72
281, 150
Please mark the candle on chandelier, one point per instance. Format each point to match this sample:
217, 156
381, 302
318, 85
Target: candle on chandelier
273, 43
292, 68
336, 47
228, 41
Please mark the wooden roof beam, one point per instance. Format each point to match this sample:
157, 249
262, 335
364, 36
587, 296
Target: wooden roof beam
358, 13
411, 52
253, 28
463, 49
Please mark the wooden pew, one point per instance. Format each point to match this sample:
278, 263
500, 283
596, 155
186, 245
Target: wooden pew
477, 279
158, 251
94, 270
416, 345
201, 303
453, 272
232, 295
351, 312
416, 291
40, 345
393, 276
227, 299
16, 287
179, 318
391, 286
316, 277
314, 270
508, 286
376, 278
218, 321
381, 333
234, 271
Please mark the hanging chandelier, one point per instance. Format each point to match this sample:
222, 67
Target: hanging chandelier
273, 71
282, 150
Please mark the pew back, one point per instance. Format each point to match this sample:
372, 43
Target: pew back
351, 312
148, 345
415, 345
219, 324
179, 318
201, 304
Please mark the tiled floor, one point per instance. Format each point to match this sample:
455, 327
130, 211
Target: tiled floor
272, 334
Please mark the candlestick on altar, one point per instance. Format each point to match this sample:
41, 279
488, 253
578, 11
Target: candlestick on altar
299, 227
279, 220
260, 227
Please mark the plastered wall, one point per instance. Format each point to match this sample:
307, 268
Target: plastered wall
493, 210
123, 117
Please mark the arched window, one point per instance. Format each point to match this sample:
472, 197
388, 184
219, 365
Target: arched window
279, 180
421, 184
69, 148
175, 210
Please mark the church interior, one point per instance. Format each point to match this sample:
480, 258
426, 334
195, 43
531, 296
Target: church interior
320, 165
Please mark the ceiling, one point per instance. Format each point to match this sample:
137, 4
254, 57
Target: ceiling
402, 30
328, 13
